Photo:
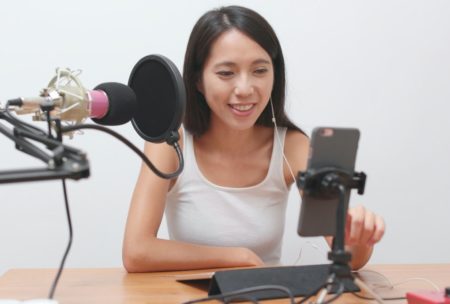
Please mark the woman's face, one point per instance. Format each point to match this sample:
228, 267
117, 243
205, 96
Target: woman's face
237, 80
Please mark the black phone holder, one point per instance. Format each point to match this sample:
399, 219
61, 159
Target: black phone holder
321, 183
326, 183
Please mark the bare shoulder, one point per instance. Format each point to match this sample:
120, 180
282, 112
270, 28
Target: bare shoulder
296, 149
296, 139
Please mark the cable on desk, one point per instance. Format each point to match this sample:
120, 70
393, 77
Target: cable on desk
242, 299
315, 291
339, 293
384, 299
230, 297
391, 285
418, 279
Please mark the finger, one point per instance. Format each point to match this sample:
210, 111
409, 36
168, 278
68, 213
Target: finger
356, 225
379, 230
348, 223
368, 228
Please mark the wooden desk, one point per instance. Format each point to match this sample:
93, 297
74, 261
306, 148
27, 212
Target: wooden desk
117, 286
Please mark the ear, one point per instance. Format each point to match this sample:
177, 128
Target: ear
199, 85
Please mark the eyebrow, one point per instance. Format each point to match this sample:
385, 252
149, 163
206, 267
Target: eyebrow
231, 63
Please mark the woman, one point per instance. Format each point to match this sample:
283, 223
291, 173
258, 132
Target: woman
227, 208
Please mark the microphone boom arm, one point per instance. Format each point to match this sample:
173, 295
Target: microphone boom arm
63, 161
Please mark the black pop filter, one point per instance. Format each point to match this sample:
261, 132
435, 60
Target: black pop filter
161, 98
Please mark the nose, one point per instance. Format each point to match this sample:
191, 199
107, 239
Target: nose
244, 87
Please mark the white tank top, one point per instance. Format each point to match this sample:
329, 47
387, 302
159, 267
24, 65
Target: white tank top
201, 212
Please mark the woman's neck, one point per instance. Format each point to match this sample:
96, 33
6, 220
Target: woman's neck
231, 141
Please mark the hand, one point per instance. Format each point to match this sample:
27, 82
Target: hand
363, 227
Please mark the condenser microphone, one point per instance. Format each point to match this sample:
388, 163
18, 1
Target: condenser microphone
110, 103
161, 98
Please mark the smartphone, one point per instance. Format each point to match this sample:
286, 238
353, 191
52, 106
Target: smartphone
329, 147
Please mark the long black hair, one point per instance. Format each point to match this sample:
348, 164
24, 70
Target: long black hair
205, 32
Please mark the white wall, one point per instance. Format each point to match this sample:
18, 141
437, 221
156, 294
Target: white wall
382, 66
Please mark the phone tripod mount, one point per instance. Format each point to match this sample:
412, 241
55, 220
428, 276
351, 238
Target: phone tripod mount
330, 183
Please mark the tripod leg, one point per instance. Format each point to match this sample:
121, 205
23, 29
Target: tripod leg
326, 289
323, 293
364, 287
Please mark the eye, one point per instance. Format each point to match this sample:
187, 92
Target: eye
260, 71
225, 73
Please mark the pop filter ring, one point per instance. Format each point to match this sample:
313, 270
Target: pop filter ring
177, 89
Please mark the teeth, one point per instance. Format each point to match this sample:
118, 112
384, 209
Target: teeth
242, 107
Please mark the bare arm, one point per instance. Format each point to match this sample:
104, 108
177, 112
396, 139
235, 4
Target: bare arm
143, 251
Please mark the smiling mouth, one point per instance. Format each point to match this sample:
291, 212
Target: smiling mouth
241, 108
